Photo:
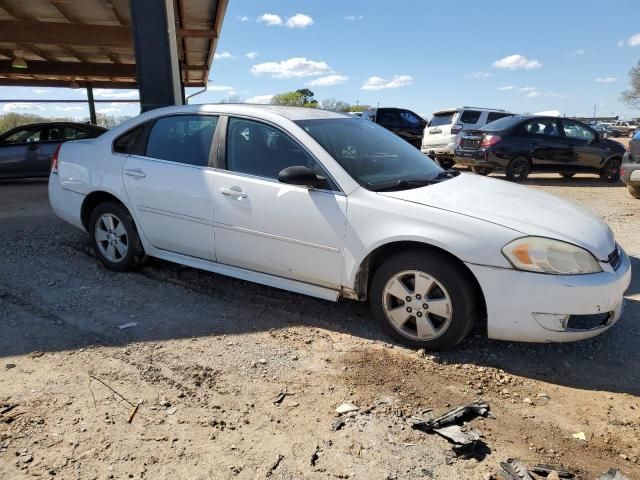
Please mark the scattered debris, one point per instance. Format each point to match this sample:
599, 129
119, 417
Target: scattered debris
454, 416
274, 465
338, 424
10, 365
281, 396
133, 413
165, 403
528, 401
128, 325
543, 396
580, 436
172, 410
315, 455
545, 470
346, 408
36, 354
612, 474
455, 434
514, 470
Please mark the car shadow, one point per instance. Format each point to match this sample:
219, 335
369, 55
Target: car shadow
582, 181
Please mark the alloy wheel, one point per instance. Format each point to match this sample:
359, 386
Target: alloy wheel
111, 237
417, 305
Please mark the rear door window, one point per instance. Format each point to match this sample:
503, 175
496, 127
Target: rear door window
493, 116
183, 139
543, 126
470, 116
576, 131
388, 118
410, 119
439, 119
25, 135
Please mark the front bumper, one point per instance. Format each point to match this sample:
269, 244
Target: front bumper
521, 305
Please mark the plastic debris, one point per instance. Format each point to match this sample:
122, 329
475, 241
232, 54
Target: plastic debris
580, 436
455, 434
544, 471
127, 325
514, 470
346, 408
454, 416
612, 474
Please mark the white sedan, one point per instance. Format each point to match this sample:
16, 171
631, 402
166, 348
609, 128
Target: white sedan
333, 206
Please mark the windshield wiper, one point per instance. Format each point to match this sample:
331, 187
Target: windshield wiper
405, 184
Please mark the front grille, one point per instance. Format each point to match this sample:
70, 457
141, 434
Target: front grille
470, 143
588, 322
615, 258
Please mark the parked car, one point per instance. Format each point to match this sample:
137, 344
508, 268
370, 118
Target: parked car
445, 126
406, 124
332, 206
607, 131
26, 151
627, 128
528, 143
630, 170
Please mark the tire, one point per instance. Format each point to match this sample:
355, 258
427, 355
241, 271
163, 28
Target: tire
518, 169
446, 163
482, 170
115, 241
610, 173
449, 284
634, 191
567, 174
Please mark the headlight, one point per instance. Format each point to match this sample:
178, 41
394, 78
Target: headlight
544, 255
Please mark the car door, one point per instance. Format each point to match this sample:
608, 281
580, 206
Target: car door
586, 150
271, 227
548, 147
168, 182
20, 152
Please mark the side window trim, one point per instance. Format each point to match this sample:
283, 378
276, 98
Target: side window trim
222, 153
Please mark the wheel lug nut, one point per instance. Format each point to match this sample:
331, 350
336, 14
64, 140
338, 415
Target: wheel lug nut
425, 306
408, 299
419, 314
409, 309
418, 297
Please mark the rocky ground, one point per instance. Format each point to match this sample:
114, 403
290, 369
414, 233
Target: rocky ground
209, 356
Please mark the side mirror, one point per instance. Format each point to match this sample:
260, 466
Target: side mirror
303, 176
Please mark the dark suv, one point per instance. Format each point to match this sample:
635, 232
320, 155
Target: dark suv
525, 143
404, 123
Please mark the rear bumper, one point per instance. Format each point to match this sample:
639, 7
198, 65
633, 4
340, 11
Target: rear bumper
482, 157
440, 149
531, 307
66, 204
630, 171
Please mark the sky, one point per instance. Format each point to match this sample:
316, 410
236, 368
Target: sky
571, 56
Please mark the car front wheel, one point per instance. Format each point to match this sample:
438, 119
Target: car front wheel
611, 171
518, 169
634, 191
482, 170
424, 299
114, 237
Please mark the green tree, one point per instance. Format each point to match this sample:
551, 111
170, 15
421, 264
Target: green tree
359, 108
299, 98
631, 96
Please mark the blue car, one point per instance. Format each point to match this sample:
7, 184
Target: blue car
26, 151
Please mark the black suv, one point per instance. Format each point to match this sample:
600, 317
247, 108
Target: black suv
404, 123
526, 143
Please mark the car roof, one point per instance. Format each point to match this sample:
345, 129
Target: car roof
466, 107
291, 113
48, 124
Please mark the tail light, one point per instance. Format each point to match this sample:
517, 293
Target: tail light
54, 160
490, 140
456, 128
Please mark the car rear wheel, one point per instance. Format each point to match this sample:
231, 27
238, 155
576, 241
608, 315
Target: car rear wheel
445, 162
482, 170
567, 174
634, 191
611, 171
424, 299
518, 169
114, 237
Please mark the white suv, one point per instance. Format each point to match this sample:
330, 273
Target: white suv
627, 128
442, 131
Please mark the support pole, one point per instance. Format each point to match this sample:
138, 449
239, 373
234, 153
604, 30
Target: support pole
92, 105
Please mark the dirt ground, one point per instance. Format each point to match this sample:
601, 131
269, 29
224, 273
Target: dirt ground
208, 355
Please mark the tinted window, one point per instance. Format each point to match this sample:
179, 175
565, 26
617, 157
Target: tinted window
542, 126
501, 124
388, 118
493, 116
636, 136
576, 131
369, 153
182, 138
59, 133
440, 119
470, 116
26, 135
259, 149
130, 142
410, 118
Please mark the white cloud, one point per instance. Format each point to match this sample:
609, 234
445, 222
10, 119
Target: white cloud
299, 20
270, 19
517, 62
328, 81
219, 88
110, 93
13, 107
606, 79
262, 99
621, 43
577, 53
108, 110
506, 87
528, 89
352, 18
72, 108
634, 40
379, 83
242, 18
478, 75
222, 55
251, 55
43, 90
533, 94
292, 68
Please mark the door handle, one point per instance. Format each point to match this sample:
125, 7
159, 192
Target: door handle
232, 192
135, 173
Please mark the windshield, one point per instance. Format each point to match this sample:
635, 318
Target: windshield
373, 156
440, 119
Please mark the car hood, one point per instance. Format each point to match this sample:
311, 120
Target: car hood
523, 209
